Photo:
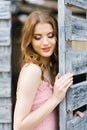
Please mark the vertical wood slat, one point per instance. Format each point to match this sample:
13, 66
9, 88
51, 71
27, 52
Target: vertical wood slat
5, 66
86, 72
61, 12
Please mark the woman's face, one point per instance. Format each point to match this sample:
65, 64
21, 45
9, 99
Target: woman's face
44, 40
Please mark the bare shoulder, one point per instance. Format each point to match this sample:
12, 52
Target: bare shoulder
30, 77
32, 69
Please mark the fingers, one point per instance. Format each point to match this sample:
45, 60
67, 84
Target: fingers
57, 77
78, 113
65, 79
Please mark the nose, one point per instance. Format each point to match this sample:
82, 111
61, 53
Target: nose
45, 41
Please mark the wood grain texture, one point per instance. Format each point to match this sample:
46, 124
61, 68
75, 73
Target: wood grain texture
5, 77
77, 96
5, 101
77, 3
78, 123
5, 91
5, 10
76, 62
79, 29
75, 28
5, 126
62, 44
5, 66
5, 58
5, 114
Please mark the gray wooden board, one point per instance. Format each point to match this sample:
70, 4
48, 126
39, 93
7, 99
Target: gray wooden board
4, 33
5, 10
77, 96
78, 123
72, 28
5, 42
5, 126
5, 23
5, 101
61, 35
75, 28
76, 62
5, 114
5, 91
78, 3
79, 29
5, 77
5, 58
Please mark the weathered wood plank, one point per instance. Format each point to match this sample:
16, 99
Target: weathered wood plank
5, 101
4, 33
78, 123
79, 29
5, 91
77, 3
5, 84
77, 96
6, 23
5, 126
5, 77
5, 58
62, 44
5, 9
5, 114
5, 42
76, 28
76, 62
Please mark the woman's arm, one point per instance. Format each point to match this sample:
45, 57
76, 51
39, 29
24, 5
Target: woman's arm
29, 80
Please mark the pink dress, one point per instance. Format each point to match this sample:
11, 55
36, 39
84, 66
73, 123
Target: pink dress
43, 93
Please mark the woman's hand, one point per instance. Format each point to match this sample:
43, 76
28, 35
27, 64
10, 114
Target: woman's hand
61, 86
78, 113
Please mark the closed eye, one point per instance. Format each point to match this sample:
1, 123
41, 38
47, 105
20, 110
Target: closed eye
37, 37
51, 35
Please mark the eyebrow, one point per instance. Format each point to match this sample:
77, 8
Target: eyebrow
41, 34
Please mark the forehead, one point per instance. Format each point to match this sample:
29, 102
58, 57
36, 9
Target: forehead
43, 28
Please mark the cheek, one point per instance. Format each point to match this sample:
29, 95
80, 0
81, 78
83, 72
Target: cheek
54, 42
35, 46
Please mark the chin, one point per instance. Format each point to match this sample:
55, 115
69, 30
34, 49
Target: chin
47, 55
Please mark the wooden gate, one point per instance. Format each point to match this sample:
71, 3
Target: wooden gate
73, 58
5, 66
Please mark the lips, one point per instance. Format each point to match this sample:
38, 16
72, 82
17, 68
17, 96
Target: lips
47, 49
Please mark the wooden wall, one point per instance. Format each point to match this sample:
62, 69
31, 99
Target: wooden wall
73, 58
5, 66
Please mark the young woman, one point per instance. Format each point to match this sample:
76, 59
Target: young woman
39, 89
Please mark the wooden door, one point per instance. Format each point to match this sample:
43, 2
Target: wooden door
73, 58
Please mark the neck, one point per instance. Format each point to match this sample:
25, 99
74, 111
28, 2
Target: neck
45, 61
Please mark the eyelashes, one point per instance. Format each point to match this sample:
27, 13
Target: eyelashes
51, 36
39, 37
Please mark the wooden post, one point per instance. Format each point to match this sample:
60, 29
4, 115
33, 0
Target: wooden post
61, 35
72, 28
5, 66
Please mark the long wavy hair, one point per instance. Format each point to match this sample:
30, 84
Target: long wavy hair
28, 53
